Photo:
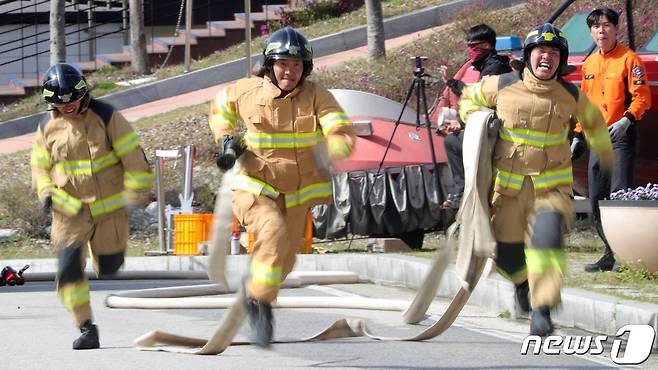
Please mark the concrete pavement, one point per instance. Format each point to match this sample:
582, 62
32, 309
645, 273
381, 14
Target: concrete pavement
39, 335
39, 332
580, 310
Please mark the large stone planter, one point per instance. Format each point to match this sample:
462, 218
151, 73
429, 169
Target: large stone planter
631, 228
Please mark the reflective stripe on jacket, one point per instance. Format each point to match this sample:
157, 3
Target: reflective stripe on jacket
90, 161
281, 137
532, 140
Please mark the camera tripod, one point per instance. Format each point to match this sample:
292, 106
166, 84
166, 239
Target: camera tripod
417, 88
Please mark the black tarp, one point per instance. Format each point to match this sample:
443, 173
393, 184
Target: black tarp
416, 197
359, 219
391, 202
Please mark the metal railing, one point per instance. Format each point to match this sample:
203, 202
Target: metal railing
32, 16
86, 23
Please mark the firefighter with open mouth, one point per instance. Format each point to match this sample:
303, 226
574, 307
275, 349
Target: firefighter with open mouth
289, 123
87, 167
532, 195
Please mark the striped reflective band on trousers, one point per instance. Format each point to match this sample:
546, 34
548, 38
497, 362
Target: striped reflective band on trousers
73, 295
263, 274
331, 120
543, 260
533, 138
545, 180
265, 140
305, 194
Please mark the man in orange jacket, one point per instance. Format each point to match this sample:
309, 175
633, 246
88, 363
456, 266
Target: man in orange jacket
614, 78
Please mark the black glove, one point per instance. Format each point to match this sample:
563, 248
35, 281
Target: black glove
46, 205
493, 125
577, 148
230, 148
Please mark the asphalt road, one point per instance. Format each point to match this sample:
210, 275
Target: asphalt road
38, 333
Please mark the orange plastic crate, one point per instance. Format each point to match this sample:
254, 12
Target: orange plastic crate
189, 231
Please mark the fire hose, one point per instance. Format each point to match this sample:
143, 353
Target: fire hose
475, 244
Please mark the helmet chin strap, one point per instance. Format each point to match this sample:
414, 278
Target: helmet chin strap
273, 76
276, 82
84, 102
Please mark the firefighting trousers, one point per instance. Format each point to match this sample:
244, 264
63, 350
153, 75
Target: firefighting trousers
529, 230
602, 183
75, 237
278, 231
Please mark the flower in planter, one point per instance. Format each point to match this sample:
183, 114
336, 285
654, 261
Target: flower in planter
649, 192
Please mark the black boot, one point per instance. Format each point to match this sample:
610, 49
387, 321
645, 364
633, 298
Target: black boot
89, 337
521, 292
540, 322
260, 321
605, 263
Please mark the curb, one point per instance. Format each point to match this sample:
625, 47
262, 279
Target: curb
341, 41
581, 309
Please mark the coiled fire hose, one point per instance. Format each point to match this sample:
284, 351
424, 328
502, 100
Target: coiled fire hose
475, 245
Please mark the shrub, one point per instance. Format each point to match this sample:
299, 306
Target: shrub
313, 11
20, 205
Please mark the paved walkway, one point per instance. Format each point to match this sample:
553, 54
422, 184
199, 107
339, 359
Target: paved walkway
23, 142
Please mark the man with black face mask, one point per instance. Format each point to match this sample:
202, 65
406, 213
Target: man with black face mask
481, 43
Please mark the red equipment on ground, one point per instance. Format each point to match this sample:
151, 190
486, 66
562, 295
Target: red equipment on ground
11, 277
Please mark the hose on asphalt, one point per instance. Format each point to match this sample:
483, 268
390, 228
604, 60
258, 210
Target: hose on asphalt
475, 242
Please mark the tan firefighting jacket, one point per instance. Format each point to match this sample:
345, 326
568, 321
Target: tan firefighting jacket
280, 136
95, 159
617, 83
533, 137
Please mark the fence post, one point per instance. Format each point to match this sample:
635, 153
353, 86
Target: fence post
92, 30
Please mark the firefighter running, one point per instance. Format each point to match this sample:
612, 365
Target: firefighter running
288, 120
87, 166
532, 194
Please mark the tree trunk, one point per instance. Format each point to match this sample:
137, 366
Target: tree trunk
376, 37
139, 61
57, 41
